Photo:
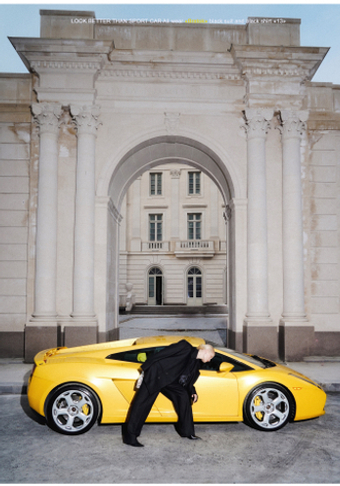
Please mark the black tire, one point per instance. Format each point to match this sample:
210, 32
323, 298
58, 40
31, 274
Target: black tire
72, 409
268, 407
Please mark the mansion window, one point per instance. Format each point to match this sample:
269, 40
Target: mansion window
194, 226
194, 181
155, 227
156, 184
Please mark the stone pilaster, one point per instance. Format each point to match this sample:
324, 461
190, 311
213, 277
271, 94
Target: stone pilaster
259, 335
294, 321
175, 216
41, 330
86, 122
136, 242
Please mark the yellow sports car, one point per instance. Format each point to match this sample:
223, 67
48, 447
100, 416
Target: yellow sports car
75, 387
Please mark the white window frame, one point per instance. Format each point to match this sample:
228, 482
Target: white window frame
156, 222
195, 221
195, 193
158, 176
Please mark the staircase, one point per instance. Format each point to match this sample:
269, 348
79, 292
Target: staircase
162, 310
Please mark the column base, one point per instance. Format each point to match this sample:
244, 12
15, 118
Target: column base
79, 331
40, 335
111, 335
261, 338
80, 335
296, 339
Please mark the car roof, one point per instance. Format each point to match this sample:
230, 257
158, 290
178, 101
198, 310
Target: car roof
150, 340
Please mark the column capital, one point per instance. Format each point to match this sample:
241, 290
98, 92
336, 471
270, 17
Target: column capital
258, 121
47, 116
293, 123
85, 118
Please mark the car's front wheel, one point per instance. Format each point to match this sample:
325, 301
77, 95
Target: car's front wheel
268, 407
71, 409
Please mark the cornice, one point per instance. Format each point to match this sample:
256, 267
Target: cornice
70, 54
278, 61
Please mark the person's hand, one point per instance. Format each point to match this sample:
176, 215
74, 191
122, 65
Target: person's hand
194, 398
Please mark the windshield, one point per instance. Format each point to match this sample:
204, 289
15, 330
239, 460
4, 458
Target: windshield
262, 363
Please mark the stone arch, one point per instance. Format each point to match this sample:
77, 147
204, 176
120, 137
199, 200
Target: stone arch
117, 176
144, 156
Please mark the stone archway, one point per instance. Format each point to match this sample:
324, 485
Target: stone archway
143, 157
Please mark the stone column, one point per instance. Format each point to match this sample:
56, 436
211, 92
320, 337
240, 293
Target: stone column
236, 216
258, 334
41, 331
175, 195
293, 322
86, 122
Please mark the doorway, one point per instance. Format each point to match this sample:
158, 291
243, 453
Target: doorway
155, 286
194, 282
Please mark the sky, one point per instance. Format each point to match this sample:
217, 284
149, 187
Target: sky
320, 23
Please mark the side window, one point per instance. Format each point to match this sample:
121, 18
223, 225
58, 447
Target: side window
156, 184
214, 364
135, 355
194, 183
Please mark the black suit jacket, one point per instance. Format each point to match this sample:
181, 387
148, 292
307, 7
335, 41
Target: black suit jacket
168, 365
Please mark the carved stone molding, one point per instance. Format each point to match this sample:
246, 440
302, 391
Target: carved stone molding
47, 116
85, 118
227, 213
171, 121
286, 72
293, 123
134, 73
114, 212
68, 65
257, 122
175, 173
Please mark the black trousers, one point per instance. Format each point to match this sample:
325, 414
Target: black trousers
143, 402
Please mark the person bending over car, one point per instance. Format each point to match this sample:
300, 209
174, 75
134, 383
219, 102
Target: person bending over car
172, 372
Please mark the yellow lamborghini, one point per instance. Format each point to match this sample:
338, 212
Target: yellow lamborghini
75, 387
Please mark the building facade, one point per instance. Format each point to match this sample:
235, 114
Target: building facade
103, 104
173, 239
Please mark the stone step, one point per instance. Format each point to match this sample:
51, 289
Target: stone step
178, 310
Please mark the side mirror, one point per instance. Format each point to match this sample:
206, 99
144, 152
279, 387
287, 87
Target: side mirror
225, 367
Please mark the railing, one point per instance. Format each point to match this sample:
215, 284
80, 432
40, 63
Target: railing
195, 245
197, 248
155, 245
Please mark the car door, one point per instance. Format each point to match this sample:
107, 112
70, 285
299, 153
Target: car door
128, 364
217, 394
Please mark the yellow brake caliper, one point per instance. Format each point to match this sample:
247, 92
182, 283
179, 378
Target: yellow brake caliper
257, 402
86, 409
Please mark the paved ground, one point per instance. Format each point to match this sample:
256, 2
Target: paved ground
211, 328
304, 452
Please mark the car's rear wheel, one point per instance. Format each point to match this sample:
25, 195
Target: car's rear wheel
268, 407
72, 409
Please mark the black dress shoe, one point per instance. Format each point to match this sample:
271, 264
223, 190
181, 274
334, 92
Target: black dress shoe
193, 437
132, 442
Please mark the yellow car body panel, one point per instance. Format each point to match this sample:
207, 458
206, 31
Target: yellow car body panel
222, 395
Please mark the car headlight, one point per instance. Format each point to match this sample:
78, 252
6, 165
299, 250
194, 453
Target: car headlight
306, 379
